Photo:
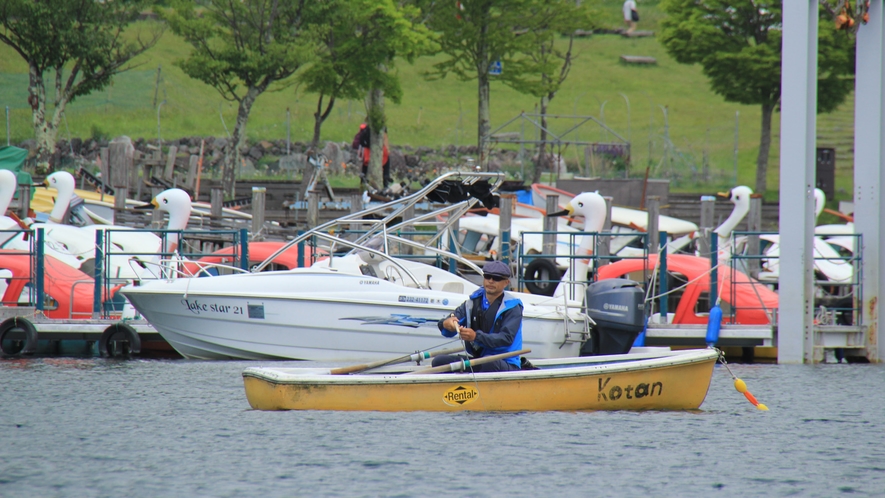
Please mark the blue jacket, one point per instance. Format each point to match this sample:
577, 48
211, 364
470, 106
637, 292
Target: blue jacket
504, 336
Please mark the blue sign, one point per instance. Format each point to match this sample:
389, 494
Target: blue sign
495, 68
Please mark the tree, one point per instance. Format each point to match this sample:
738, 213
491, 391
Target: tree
78, 46
357, 58
242, 48
364, 38
738, 45
552, 59
476, 33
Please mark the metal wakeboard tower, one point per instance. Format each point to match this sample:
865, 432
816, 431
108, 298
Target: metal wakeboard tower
461, 190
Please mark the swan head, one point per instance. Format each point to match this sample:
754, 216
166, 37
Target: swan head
591, 206
177, 203
739, 195
64, 183
61, 181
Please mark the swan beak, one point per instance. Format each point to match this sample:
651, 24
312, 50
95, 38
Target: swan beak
564, 212
724, 195
145, 207
155, 203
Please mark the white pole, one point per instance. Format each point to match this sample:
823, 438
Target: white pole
798, 124
869, 167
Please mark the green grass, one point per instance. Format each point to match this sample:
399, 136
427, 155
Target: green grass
443, 112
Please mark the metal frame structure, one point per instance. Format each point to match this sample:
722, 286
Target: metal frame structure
554, 139
797, 163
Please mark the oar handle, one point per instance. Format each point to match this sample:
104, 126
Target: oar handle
420, 355
458, 365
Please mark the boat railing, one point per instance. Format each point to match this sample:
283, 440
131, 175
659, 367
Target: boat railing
837, 301
397, 208
172, 268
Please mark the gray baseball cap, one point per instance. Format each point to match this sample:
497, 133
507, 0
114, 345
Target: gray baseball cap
497, 269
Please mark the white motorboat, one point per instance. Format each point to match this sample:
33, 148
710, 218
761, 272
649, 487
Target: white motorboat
369, 303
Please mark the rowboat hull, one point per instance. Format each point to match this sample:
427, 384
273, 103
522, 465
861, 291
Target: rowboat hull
668, 381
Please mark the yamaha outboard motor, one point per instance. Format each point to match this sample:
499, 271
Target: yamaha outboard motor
617, 306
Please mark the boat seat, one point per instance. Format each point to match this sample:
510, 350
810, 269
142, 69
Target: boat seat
456, 287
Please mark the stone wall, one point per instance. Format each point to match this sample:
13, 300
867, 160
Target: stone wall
269, 158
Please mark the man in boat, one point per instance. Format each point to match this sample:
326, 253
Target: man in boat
490, 322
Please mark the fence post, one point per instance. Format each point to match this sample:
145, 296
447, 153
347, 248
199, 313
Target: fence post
244, 249
216, 197
708, 206
663, 287
259, 194
313, 210
603, 242
192, 167
504, 225
754, 224
551, 224
654, 209
714, 273
99, 273
24, 201
120, 195
169, 171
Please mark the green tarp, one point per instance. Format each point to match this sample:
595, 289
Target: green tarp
13, 159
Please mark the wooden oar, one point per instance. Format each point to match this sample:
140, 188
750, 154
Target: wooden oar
465, 364
420, 355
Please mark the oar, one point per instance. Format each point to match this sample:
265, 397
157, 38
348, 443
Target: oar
465, 364
420, 355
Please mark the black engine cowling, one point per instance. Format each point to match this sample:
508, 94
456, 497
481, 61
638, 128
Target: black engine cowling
617, 306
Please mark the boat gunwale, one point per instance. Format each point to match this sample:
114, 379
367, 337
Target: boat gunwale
321, 376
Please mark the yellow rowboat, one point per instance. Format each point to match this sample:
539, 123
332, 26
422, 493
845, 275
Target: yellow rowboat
661, 380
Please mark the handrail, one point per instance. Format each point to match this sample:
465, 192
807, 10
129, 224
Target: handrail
202, 265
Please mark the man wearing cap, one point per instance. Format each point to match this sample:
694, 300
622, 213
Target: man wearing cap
490, 322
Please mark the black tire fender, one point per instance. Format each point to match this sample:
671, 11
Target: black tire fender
130, 336
539, 270
28, 345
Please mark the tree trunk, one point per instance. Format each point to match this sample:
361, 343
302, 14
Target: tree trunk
45, 130
482, 80
376, 122
542, 163
236, 143
319, 117
764, 148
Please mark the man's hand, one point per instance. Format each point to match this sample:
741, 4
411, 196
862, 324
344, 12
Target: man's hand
451, 323
467, 334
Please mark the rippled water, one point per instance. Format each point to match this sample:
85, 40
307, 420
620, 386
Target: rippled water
93, 427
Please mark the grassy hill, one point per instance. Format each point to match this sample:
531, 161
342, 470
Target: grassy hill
629, 99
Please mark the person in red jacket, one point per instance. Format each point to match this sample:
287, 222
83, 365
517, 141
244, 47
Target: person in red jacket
361, 143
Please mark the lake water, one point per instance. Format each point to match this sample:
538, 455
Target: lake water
96, 427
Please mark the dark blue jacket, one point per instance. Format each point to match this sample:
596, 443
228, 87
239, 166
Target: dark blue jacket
504, 336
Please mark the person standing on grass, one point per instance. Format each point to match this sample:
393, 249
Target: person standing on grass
362, 147
631, 15
490, 322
